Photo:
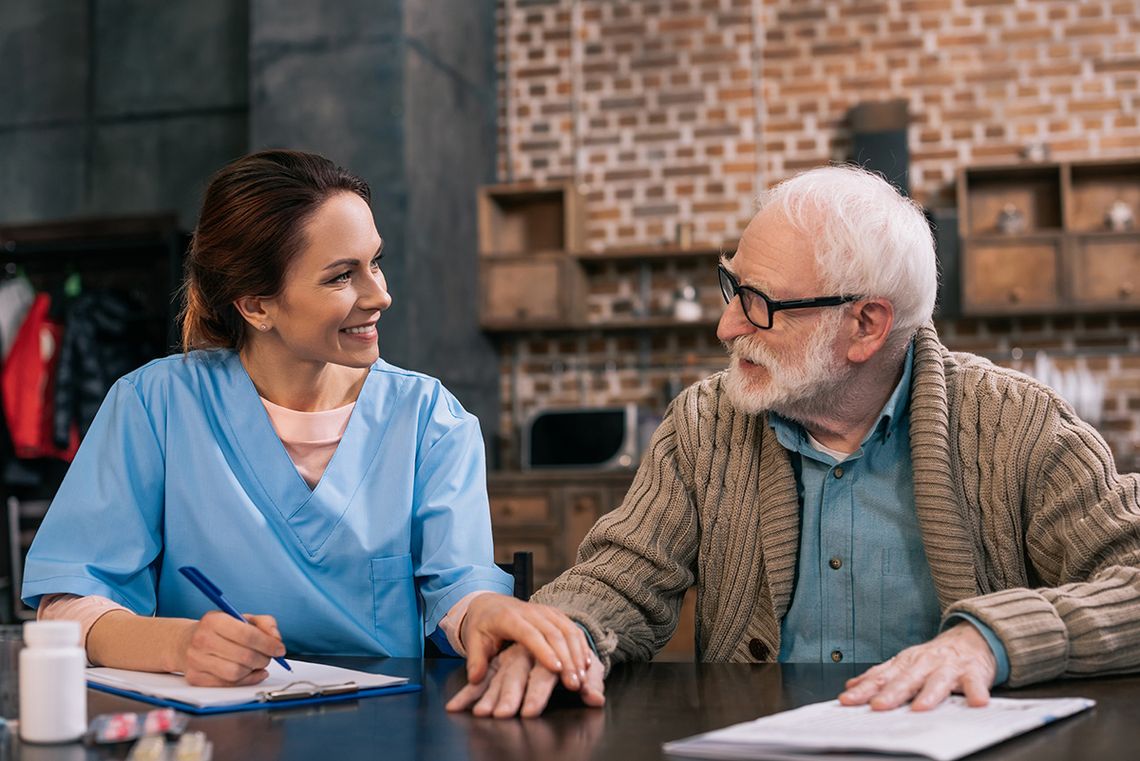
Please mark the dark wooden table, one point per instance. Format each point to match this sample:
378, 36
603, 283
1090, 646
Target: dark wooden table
647, 704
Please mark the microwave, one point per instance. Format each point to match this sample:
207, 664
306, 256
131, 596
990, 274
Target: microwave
603, 438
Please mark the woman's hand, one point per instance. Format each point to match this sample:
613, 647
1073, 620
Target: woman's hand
220, 651
555, 641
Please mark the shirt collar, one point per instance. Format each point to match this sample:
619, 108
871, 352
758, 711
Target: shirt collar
792, 435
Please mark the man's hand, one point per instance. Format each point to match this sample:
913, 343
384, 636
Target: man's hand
957, 660
554, 640
514, 681
220, 651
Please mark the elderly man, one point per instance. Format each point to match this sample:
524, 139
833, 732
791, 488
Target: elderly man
847, 490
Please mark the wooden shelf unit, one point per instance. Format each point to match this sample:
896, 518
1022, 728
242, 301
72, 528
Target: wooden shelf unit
650, 254
609, 326
1067, 259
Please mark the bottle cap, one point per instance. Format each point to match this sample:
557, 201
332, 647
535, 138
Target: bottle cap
51, 634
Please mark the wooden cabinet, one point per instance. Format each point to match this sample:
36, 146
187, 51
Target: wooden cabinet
524, 273
549, 514
1040, 238
536, 291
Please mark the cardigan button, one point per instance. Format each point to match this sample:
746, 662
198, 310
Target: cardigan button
835, 564
838, 472
836, 656
758, 649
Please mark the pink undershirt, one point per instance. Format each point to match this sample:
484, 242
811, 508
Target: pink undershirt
310, 438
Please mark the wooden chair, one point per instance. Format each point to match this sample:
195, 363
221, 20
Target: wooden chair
521, 568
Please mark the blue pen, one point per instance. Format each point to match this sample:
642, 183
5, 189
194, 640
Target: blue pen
208, 588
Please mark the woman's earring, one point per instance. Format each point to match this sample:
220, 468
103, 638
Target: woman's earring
263, 327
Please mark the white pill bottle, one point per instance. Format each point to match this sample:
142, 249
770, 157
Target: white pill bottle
53, 690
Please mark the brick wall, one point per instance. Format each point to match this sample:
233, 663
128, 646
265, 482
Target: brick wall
665, 111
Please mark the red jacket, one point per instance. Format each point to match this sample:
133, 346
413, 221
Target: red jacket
29, 381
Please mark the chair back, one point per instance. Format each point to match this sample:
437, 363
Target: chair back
521, 568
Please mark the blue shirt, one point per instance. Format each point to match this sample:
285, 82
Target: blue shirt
182, 467
863, 588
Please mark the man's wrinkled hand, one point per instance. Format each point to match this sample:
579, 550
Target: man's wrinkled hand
957, 660
493, 621
516, 684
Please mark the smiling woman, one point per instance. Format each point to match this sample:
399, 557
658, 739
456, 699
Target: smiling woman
302, 473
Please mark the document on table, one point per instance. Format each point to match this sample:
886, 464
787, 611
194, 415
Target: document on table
309, 682
948, 732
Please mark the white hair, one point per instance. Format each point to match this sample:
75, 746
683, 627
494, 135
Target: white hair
870, 240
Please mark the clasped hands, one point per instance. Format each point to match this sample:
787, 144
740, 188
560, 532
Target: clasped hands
549, 648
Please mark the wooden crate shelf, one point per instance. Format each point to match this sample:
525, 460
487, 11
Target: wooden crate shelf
1066, 258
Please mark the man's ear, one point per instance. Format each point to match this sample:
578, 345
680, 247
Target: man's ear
874, 319
257, 311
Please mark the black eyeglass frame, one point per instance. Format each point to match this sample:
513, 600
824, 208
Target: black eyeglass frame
730, 288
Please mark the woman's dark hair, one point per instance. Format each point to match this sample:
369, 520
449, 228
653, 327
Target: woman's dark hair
251, 227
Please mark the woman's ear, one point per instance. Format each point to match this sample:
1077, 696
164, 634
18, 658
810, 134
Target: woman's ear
257, 311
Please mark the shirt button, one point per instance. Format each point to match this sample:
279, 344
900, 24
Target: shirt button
758, 649
836, 656
838, 472
835, 563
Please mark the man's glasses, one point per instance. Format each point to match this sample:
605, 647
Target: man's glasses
758, 308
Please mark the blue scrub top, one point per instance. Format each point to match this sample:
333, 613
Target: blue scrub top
182, 467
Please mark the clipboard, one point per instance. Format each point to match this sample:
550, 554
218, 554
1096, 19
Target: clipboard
308, 684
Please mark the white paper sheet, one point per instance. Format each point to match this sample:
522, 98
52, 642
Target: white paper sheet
174, 686
948, 732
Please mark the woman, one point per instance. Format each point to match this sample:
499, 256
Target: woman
305, 476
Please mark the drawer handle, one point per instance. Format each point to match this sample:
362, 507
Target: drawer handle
1016, 295
508, 508
1126, 290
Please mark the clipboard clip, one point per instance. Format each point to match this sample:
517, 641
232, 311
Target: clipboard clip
303, 689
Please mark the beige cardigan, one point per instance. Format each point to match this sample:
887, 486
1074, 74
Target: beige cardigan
1025, 521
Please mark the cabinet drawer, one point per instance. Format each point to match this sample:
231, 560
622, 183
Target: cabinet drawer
582, 509
520, 509
547, 562
1106, 270
1011, 276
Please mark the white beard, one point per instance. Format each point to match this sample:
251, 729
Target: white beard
801, 391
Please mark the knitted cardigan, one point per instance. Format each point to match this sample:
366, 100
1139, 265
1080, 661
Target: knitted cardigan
1025, 522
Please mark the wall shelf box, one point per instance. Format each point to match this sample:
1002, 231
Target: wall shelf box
527, 219
1094, 187
530, 291
1060, 255
1035, 190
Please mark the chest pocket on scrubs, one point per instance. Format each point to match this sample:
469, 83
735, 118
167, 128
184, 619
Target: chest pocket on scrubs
399, 624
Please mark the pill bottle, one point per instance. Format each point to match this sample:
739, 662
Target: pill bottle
53, 692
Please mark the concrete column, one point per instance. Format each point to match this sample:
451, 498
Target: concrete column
401, 92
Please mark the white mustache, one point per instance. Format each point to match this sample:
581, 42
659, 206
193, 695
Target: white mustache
739, 348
